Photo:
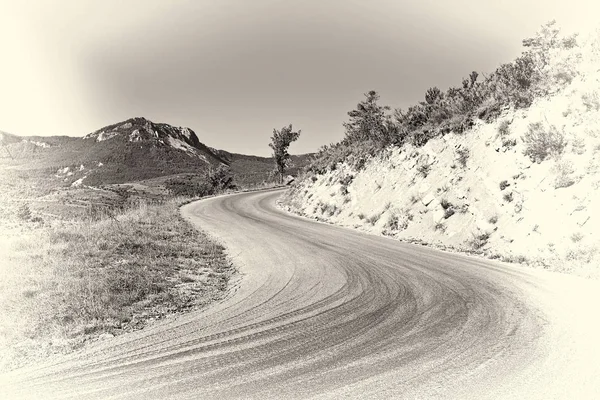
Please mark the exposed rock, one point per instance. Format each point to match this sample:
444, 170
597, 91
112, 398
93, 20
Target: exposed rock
427, 199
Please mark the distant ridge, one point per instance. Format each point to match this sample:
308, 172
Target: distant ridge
132, 150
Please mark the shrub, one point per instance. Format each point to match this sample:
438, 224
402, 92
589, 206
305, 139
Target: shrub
493, 219
397, 222
439, 226
564, 178
327, 208
346, 180
578, 146
189, 187
540, 142
508, 197
220, 178
373, 219
504, 184
504, 128
591, 101
445, 204
463, 208
516, 84
331, 209
463, 156
576, 237
478, 240
424, 169
23, 212
508, 144
392, 223
361, 216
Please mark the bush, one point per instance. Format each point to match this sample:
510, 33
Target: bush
478, 240
23, 212
371, 128
393, 223
508, 197
439, 226
397, 222
564, 178
463, 156
504, 184
445, 204
373, 219
508, 144
504, 128
220, 178
189, 187
346, 180
591, 101
576, 237
424, 169
540, 142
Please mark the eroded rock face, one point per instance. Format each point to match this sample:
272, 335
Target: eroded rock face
141, 130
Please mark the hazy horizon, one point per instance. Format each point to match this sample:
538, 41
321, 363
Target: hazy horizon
234, 70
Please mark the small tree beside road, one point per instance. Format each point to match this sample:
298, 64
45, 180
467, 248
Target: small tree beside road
280, 143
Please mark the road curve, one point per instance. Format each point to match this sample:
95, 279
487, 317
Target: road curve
326, 312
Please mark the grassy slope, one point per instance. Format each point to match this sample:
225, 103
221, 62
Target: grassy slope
66, 282
79, 262
108, 255
122, 161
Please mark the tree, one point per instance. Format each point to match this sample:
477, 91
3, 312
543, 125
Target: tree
368, 122
220, 178
280, 143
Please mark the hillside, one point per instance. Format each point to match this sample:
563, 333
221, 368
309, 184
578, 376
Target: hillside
136, 158
249, 170
520, 184
128, 151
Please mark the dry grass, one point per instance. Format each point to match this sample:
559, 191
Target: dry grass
64, 282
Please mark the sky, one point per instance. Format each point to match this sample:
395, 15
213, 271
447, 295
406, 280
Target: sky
232, 70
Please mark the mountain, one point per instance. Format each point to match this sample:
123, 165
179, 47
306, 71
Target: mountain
133, 150
130, 150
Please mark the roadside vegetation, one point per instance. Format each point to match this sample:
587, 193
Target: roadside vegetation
84, 264
280, 143
505, 165
65, 282
372, 127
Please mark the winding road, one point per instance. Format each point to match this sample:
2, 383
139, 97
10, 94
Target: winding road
325, 312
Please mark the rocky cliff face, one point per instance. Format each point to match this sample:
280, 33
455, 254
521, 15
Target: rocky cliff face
141, 130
